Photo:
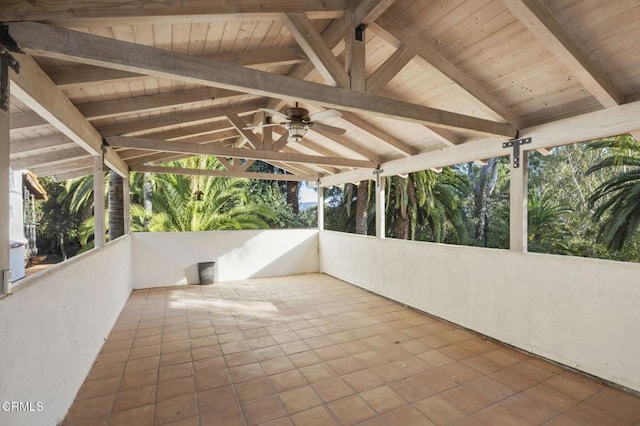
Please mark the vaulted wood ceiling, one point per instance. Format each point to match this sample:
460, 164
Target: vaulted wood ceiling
433, 82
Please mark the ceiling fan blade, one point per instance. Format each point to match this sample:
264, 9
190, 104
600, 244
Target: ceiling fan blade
329, 129
274, 112
257, 126
323, 115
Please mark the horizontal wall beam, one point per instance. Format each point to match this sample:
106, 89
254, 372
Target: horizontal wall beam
224, 173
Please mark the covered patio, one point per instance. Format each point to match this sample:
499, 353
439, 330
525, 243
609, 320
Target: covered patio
309, 326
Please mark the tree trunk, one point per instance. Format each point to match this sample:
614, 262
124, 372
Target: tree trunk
482, 190
402, 226
146, 198
116, 206
292, 196
362, 199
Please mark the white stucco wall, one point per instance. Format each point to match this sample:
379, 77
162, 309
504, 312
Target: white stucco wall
580, 312
53, 326
171, 258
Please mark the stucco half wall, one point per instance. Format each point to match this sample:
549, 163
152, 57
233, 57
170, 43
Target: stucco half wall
53, 326
171, 258
579, 312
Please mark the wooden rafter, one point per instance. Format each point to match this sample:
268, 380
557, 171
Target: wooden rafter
60, 43
32, 86
311, 42
402, 147
39, 145
157, 145
247, 134
223, 173
389, 69
395, 34
537, 17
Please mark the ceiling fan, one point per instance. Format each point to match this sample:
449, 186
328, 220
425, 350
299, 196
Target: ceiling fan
298, 121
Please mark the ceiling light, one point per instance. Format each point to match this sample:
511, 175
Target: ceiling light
296, 130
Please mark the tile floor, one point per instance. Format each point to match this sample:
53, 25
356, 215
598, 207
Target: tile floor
312, 350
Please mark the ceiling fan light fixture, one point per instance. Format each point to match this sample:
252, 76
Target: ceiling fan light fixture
296, 130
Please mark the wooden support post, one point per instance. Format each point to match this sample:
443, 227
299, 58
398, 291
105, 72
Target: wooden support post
518, 204
5, 208
126, 204
98, 200
320, 208
380, 207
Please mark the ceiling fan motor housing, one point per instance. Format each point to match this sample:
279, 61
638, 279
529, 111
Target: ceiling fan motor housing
297, 113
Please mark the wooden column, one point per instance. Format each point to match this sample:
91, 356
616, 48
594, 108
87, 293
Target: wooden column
98, 200
126, 204
5, 171
380, 208
518, 205
320, 208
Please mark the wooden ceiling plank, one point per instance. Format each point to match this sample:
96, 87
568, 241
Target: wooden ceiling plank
224, 173
594, 125
41, 39
63, 176
50, 158
191, 131
39, 145
32, 87
540, 21
248, 135
351, 146
397, 144
177, 118
80, 12
393, 32
25, 120
311, 42
157, 145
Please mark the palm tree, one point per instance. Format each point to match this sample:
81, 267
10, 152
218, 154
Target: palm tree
203, 203
617, 199
548, 232
429, 202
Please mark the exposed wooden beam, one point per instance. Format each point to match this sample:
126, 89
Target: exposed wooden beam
74, 75
74, 46
223, 173
156, 145
355, 55
389, 69
635, 134
402, 147
32, 86
537, 17
39, 145
351, 146
178, 118
191, 130
311, 42
78, 12
63, 176
396, 34
247, 134
151, 103
280, 142
594, 125
227, 165
244, 166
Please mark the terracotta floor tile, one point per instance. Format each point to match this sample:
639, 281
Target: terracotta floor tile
285, 337
176, 371
287, 380
271, 352
435, 358
204, 352
254, 389
551, 397
467, 398
230, 415
277, 365
142, 416
439, 410
530, 409
231, 348
142, 364
345, 365
351, 410
246, 372
491, 388
305, 359
300, 399
172, 388
490, 416
88, 408
132, 398
144, 352
316, 373
407, 416
175, 358
437, 380
263, 410
318, 416
98, 388
296, 347
382, 399
330, 353
105, 372
586, 414
532, 371
212, 379
173, 409
214, 400
390, 372
111, 357
362, 380
411, 389
370, 359
461, 372
332, 389
574, 385
618, 403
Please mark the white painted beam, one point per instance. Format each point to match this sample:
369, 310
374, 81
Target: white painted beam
48, 41
594, 125
381, 230
320, 211
126, 204
5, 207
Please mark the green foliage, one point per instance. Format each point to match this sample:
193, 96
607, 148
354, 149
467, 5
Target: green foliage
548, 231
